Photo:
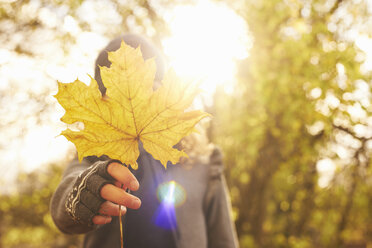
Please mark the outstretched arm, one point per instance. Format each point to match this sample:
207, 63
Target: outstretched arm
89, 194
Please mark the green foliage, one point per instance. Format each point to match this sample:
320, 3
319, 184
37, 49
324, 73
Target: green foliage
270, 143
25, 220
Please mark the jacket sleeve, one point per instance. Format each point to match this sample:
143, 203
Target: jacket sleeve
60, 216
220, 228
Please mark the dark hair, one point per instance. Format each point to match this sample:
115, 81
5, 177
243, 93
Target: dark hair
147, 48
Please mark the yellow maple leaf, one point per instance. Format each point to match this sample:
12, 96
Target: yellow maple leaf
131, 111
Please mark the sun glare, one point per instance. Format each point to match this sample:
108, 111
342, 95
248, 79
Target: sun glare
206, 39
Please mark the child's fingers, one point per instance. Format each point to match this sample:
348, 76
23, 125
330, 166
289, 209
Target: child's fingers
123, 175
101, 220
117, 195
111, 209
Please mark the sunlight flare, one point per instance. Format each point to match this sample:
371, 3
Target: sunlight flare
206, 40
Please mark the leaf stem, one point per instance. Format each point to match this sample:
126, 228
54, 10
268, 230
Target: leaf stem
121, 226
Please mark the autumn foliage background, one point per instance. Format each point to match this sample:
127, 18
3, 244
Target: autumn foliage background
296, 129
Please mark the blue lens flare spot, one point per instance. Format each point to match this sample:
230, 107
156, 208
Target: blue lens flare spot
165, 217
170, 195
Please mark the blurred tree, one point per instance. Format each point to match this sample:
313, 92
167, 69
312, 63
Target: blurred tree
298, 144
296, 132
25, 220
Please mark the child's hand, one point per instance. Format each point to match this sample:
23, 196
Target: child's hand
116, 195
98, 192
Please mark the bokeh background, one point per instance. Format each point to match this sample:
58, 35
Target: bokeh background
287, 81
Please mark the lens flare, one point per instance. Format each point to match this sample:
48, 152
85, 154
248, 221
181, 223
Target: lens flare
170, 195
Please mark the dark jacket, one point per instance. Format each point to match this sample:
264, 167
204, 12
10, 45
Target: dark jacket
201, 220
